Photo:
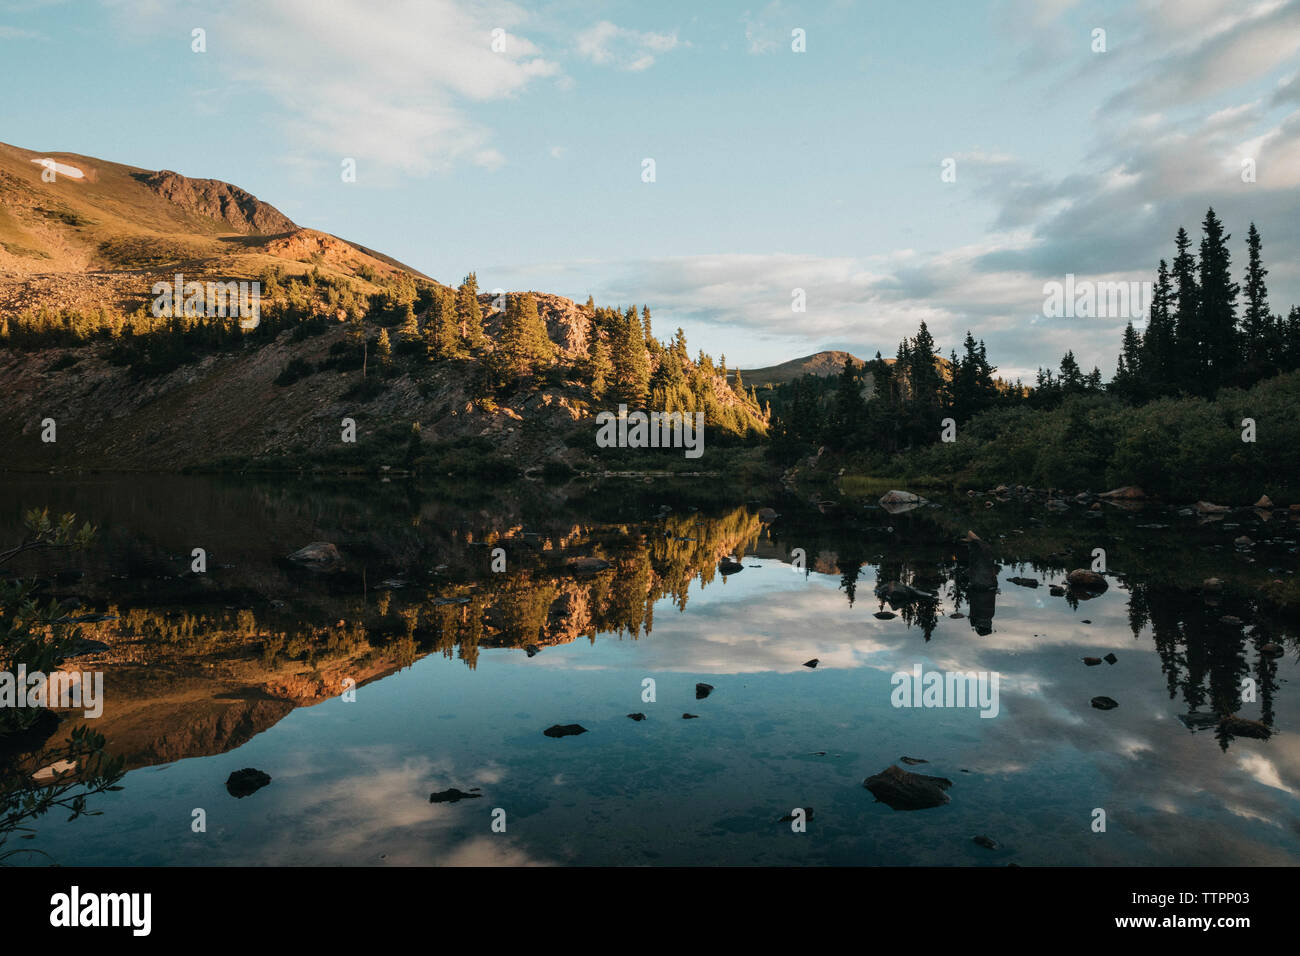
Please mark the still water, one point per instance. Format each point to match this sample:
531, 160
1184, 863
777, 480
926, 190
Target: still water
459, 668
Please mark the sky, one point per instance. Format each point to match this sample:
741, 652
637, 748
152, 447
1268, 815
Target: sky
511, 139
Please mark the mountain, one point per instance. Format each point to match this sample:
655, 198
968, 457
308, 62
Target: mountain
343, 333
820, 363
101, 233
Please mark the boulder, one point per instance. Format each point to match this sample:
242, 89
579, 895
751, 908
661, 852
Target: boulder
1264, 502
1209, 508
727, 566
703, 690
767, 515
904, 790
318, 555
898, 502
588, 565
564, 730
244, 782
1241, 727
452, 796
1126, 493
1081, 579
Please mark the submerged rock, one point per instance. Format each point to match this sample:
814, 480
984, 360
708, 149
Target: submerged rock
812, 663
564, 730
904, 790
1024, 582
789, 817
690, 716
703, 690
898, 502
1104, 703
1092, 661
637, 717
588, 565
1126, 493
987, 842
912, 761
244, 782
1081, 579
1209, 508
452, 795
318, 555
1241, 727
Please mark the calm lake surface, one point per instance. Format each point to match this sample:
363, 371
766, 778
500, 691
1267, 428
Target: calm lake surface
459, 669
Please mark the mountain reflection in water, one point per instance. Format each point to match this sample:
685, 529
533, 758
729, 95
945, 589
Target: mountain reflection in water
458, 670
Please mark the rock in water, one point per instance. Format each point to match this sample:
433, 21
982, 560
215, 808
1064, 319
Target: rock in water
912, 761
1089, 582
1092, 661
241, 783
319, 556
812, 663
1024, 582
789, 817
1104, 703
564, 730
690, 716
1241, 727
703, 690
899, 502
452, 795
983, 569
727, 566
637, 717
1264, 502
767, 515
987, 842
904, 790
885, 615
588, 565
1110, 658
1272, 650
1127, 493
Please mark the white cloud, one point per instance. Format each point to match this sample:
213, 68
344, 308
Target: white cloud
606, 44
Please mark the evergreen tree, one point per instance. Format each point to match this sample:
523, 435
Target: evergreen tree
602, 369
1188, 339
1128, 383
383, 348
849, 411
1220, 356
1257, 326
925, 385
524, 343
631, 363
1158, 361
470, 313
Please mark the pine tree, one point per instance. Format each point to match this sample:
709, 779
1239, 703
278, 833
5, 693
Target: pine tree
383, 348
1158, 361
1128, 383
524, 343
470, 313
925, 385
1220, 346
631, 362
1188, 339
848, 414
1257, 327
602, 369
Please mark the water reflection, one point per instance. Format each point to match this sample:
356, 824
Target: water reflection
459, 668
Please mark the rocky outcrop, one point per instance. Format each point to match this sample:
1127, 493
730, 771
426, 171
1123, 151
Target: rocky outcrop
241, 210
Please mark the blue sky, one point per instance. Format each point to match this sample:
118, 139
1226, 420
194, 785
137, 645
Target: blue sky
775, 170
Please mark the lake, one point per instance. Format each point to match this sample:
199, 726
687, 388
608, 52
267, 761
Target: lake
458, 623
